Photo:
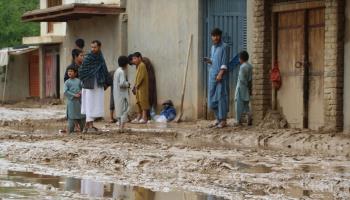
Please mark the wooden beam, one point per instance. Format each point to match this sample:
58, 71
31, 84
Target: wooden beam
299, 5
71, 12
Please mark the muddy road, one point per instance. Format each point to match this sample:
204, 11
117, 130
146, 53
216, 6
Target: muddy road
182, 159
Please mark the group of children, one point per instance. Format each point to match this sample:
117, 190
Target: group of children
73, 91
90, 67
145, 87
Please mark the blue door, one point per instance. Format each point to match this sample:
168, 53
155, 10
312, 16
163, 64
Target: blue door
230, 17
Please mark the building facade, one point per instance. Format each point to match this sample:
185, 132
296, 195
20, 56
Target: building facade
306, 39
19, 76
159, 29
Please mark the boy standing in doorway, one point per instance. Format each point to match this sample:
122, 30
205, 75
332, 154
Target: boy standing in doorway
218, 79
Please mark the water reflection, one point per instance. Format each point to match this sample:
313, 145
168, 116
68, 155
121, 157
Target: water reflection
94, 189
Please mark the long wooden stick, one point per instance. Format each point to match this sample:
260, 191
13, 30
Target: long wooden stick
178, 118
4, 88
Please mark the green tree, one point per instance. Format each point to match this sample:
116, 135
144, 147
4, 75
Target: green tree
12, 28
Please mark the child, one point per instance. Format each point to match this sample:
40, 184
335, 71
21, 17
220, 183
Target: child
72, 90
111, 99
168, 110
121, 91
243, 88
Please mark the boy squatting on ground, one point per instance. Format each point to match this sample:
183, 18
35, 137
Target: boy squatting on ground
121, 91
72, 90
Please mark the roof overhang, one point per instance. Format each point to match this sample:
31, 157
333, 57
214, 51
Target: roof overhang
37, 40
23, 50
73, 11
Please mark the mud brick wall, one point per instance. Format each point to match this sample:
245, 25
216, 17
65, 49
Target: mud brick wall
334, 63
261, 59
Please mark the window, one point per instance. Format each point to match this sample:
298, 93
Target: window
50, 26
52, 3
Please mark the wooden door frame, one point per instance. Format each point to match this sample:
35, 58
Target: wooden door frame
291, 7
207, 113
34, 53
288, 7
297, 5
55, 51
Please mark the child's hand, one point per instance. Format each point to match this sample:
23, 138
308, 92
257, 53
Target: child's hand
78, 95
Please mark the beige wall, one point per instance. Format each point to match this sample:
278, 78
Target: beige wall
160, 30
59, 29
104, 29
347, 70
17, 79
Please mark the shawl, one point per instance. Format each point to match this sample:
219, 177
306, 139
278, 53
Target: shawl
94, 65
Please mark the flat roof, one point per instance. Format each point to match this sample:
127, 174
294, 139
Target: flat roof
69, 12
47, 39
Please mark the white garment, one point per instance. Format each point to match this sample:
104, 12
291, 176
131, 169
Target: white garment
92, 103
92, 188
4, 57
121, 94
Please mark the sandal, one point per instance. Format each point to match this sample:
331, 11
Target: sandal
214, 125
142, 121
135, 121
221, 125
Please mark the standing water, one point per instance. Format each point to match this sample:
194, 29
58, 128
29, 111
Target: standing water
29, 185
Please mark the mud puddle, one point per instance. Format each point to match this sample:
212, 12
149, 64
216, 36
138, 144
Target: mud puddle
30, 185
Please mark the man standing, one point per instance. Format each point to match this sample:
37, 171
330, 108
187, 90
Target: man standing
218, 79
243, 88
94, 76
141, 89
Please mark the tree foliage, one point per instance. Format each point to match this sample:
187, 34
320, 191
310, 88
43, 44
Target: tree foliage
12, 29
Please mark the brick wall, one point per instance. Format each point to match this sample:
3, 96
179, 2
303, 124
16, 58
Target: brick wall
261, 59
334, 63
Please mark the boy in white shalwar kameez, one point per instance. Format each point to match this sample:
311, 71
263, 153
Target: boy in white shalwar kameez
121, 91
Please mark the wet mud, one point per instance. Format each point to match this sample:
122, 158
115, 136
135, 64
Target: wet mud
233, 163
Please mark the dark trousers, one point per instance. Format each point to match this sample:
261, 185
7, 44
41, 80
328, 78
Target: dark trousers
72, 122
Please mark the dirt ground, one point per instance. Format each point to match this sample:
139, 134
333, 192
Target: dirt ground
235, 163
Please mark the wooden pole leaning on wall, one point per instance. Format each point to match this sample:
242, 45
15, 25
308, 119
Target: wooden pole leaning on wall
179, 116
4, 88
